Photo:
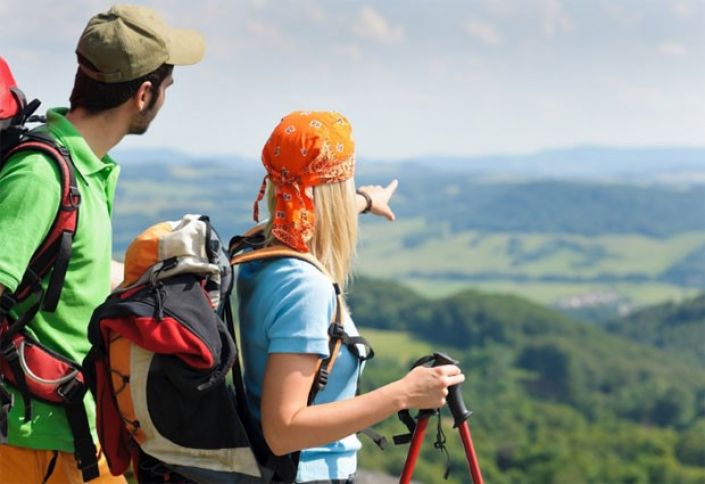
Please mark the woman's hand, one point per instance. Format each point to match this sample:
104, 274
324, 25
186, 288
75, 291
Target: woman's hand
380, 199
425, 387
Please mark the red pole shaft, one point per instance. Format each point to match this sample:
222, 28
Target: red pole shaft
414, 450
474, 466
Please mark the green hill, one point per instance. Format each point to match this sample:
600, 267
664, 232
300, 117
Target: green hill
554, 400
676, 328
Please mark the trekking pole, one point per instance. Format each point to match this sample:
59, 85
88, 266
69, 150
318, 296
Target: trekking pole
460, 415
415, 446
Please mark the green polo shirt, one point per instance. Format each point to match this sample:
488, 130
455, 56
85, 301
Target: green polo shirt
29, 198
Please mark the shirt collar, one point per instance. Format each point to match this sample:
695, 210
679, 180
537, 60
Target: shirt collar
86, 162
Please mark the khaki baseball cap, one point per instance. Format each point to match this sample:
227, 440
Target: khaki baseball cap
130, 41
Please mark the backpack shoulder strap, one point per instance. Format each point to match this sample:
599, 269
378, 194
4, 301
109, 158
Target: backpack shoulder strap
337, 336
278, 252
55, 250
336, 330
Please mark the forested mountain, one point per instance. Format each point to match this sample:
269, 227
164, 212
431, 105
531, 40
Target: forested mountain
555, 400
676, 328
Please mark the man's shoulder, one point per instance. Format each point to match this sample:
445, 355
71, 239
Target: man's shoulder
28, 162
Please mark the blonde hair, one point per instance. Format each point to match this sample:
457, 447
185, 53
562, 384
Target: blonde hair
334, 238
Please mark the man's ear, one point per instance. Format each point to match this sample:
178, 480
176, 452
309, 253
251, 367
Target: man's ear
143, 96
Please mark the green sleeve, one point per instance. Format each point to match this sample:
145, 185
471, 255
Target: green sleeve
30, 194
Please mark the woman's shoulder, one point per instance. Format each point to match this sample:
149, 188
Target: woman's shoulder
288, 273
295, 298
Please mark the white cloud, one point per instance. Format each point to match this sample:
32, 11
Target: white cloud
351, 50
672, 49
554, 17
265, 31
501, 7
313, 11
622, 12
372, 25
682, 9
484, 32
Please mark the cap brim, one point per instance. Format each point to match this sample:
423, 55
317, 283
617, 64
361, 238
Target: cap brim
185, 47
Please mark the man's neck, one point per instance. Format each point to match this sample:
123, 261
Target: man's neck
101, 131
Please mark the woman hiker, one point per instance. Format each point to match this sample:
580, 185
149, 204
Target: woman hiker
286, 305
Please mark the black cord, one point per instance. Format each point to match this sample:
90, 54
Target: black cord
440, 444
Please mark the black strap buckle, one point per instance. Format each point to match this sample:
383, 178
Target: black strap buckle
64, 152
89, 470
7, 401
74, 198
72, 391
6, 303
9, 352
337, 331
322, 377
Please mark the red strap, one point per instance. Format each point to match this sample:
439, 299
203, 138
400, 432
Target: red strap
66, 221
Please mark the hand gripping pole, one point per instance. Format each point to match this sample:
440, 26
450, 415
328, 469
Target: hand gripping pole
460, 415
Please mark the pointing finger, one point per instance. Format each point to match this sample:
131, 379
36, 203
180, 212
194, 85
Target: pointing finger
391, 188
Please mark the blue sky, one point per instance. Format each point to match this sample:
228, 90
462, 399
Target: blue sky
415, 77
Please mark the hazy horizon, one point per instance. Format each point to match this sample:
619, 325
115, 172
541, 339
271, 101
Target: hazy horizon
130, 150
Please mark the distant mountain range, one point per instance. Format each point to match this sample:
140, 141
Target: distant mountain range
681, 165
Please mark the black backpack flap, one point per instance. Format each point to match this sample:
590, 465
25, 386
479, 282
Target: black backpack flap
192, 382
205, 420
171, 317
183, 298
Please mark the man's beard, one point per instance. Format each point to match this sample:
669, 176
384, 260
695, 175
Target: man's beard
140, 123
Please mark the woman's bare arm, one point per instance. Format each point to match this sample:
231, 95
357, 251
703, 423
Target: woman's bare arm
290, 425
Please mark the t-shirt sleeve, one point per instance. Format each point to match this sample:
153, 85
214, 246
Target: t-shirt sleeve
306, 301
30, 194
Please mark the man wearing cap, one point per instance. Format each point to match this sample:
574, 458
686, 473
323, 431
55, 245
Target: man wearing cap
126, 57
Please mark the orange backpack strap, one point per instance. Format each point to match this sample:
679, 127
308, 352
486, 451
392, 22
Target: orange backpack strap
336, 329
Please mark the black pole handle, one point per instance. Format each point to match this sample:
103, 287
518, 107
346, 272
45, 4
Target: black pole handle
456, 404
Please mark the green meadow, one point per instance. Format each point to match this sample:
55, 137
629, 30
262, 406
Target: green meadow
545, 267
567, 244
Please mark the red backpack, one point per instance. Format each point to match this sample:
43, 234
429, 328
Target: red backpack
35, 371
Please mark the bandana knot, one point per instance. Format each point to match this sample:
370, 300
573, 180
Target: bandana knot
306, 149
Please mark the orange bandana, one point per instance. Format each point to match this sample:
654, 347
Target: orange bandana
305, 149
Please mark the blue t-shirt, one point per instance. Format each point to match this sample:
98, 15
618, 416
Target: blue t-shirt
285, 306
